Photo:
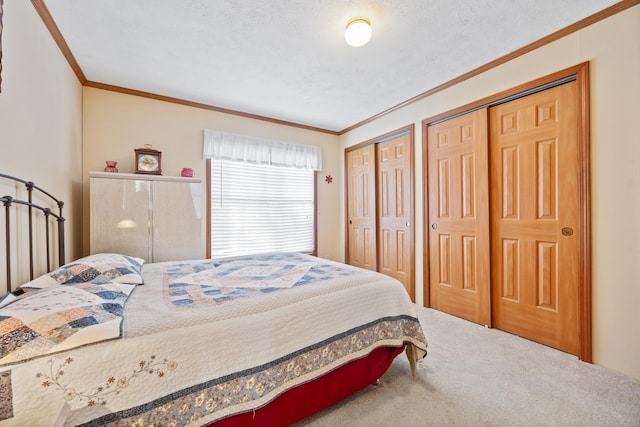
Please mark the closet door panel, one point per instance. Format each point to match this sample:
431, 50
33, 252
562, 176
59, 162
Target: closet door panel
361, 208
395, 208
458, 217
535, 220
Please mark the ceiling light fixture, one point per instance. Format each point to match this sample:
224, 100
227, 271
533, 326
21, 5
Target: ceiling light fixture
358, 31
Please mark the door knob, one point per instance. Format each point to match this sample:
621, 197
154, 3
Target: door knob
408, 224
350, 222
567, 231
434, 225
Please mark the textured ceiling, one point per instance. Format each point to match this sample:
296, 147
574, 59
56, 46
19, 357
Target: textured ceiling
288, 60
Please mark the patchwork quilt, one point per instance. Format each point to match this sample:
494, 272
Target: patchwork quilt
204, 340
58, 318
200, 284
96, 268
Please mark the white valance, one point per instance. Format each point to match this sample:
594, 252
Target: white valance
250, 149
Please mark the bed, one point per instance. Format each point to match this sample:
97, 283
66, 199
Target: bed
267, 339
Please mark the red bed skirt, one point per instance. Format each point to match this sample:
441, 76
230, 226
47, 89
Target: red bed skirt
312, 397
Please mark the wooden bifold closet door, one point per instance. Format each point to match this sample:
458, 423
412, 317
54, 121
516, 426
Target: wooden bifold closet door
504, 217
380, 208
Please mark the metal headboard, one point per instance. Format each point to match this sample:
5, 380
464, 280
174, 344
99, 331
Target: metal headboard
9, 201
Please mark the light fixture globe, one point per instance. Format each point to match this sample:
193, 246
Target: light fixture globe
358, 31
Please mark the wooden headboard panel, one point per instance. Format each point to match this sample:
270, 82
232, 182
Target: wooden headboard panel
32, 230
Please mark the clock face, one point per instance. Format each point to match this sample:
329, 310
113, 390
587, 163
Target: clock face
148, 163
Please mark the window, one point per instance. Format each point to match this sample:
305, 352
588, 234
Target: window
258, 208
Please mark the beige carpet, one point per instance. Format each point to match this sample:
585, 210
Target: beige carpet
477, 376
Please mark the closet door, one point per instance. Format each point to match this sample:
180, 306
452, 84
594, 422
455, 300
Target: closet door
534, 217
395, 209
361, 208
459, 242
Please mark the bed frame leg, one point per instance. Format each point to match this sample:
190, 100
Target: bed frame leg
410, 350
414, 361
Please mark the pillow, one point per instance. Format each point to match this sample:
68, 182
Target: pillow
7, 299
60, 318
96, 268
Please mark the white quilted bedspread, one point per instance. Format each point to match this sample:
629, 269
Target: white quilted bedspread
196, 349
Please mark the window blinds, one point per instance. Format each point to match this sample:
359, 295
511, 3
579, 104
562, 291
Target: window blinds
259, 208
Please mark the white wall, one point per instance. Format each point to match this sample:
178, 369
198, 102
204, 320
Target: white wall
612, 47
40, 118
